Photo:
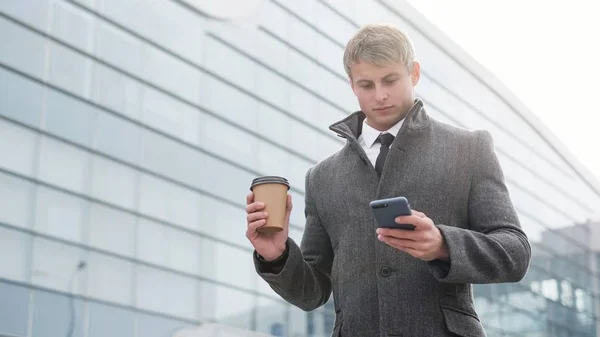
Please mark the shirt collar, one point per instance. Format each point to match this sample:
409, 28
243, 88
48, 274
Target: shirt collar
370, 134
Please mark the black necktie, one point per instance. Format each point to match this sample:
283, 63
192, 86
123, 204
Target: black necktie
385, 139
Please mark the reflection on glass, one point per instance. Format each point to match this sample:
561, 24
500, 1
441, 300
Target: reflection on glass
69, 118
20, 98
155, 326
52, 315
106, 320
14, 309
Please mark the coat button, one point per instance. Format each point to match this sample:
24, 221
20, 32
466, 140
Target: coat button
385, 271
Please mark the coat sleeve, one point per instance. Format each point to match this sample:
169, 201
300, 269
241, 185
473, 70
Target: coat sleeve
493, 248
303, 275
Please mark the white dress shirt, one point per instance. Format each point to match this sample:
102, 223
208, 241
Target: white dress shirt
368, 137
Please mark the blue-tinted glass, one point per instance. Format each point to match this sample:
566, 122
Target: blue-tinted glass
20, 98
118, 137
52, 315
156, 326
105, 320
69, 118
14, 309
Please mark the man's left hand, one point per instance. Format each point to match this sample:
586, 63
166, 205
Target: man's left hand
425, 242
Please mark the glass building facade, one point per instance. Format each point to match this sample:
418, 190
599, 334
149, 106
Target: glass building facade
131, 130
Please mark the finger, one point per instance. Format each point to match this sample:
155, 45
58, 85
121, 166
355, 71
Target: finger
250, 198
256, 216
251, 231
412, 249
255, 207
402, 234
417, 213
253, 226
397, 243
414, 220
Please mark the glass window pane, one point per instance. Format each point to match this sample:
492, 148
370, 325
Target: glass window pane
55, 266
19, 159
20, 98
69, 70
156, 326
110, 279
116, 92
178, 295
117, 138
16, 195
183, 251
36, 16
15, 251
52, 315
167, 114
151, 243
118, 48
169, 247
224, 61
297, 173
226, 181
112, 230
163, 200
271, 317
69, 118
63, 165
114, 183
230, 142
220, 219
304, 140
106, 320
168, 158
273, 160
272, 87
59, 214
27, 49
184, 207
297, 217
14, 309
217, 259
274, 125
226, 305
72, 25
171, 74
229, 102
154, 197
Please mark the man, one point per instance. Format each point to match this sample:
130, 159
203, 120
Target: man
396, 282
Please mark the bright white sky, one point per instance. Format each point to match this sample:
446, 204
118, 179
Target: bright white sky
547, 52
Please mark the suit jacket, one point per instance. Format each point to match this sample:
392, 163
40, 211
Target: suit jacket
450, 174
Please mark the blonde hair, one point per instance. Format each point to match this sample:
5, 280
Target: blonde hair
379, 44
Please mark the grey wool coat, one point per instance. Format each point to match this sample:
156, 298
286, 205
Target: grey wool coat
450, 174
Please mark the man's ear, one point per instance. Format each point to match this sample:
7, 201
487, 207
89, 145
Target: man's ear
415, 73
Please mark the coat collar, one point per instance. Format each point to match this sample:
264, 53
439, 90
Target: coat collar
351, 126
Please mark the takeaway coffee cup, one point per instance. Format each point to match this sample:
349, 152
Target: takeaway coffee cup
272, 191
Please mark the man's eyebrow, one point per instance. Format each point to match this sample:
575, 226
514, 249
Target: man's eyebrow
392, 74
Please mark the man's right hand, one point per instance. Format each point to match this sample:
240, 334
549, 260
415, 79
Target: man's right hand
269, 245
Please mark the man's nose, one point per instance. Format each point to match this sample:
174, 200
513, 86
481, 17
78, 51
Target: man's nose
380, 94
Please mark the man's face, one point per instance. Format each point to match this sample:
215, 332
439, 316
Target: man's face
385, 94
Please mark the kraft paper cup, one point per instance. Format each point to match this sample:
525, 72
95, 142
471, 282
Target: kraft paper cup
272, 191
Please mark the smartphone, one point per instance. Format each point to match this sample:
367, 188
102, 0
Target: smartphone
386, 211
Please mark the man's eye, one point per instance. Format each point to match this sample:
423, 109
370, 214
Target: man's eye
390, 81
366, 86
